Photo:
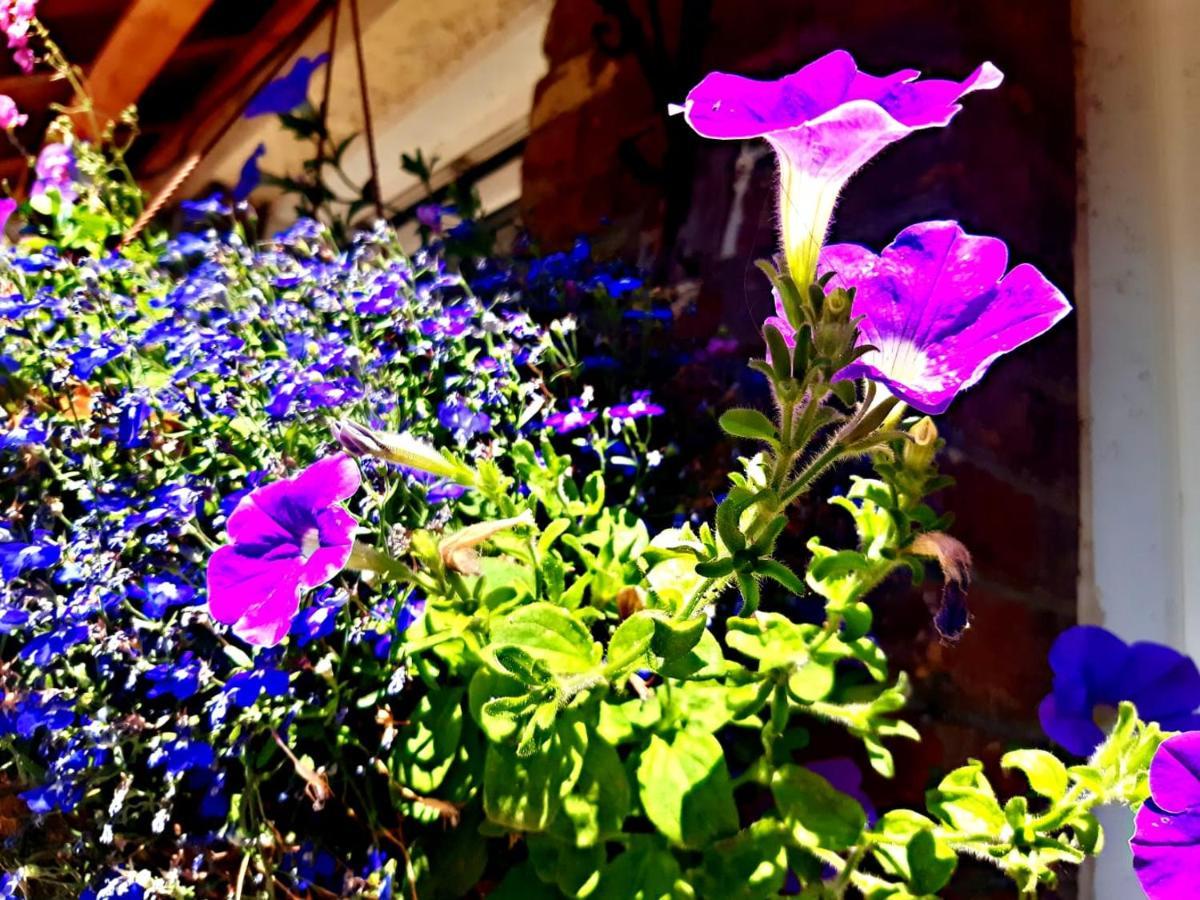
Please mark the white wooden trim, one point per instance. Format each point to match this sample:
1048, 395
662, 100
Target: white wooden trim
1138, 291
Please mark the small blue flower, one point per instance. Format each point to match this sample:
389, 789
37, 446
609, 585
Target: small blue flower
180, 680
17, 558
181, 755
244, 688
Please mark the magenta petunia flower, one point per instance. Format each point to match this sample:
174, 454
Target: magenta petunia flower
825, 122
938, 308
285, 538
1166, 836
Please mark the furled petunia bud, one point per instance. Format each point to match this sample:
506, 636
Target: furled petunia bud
402, 449
920, 450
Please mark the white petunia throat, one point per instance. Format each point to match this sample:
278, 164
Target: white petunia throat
904, 362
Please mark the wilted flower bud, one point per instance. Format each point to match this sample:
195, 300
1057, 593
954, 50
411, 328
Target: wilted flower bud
629, 601
952, 617
922, 446
402, 449
458, 550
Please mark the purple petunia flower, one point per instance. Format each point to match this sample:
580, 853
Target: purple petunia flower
938, 308
824, 122
1094, 671
8, 206
286, 537
1166, 837
638, 408
286, 93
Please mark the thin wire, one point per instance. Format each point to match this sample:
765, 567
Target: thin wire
366, 106
324, 135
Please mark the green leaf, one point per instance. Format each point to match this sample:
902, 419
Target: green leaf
817, 814
748, 586
550, 634
630, 644
705, 660
597, 806
523, 667
523, 883
780, 354
748, 423
524, 793
675, 637
430, 741
965, 800
930, 863
573, 870
752, 865
811, 682
780, 573
771, 638
1047, 774
646, 870
685, 789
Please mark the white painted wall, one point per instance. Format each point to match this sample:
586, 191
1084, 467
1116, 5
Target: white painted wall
453, 78
1138, 289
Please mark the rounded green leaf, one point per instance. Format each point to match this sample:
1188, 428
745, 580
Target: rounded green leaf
685, 789
817, 814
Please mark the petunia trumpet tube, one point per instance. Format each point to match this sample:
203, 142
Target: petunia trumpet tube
825, 122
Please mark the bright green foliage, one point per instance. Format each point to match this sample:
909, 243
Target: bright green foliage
624, 732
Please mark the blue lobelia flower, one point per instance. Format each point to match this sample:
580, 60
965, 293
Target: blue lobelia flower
288, 92
17, 557
244, 688
181, 755
1095, 671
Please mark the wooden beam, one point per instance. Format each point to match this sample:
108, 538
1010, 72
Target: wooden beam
138, 49
268, 47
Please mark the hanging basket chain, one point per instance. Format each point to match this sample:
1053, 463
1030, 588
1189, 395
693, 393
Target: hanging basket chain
366, 107
324, 112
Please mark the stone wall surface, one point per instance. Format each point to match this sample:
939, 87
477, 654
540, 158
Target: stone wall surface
602, 158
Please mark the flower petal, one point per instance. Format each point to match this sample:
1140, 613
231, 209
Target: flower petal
1175, 773
1071, 730
1162, 682
329, 480
1166, 853
938, 311
258, 597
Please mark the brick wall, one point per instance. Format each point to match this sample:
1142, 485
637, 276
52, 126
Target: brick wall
602, 158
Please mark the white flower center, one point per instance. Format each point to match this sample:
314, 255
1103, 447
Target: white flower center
310, 542
903, 361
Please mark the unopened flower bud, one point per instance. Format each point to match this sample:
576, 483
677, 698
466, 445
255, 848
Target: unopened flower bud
922, 445
837, 302
402, 449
